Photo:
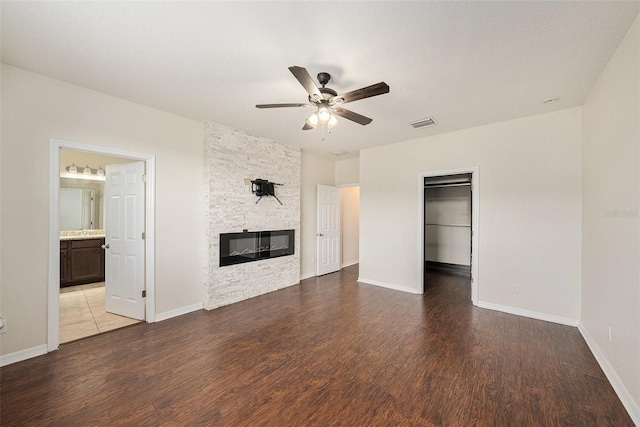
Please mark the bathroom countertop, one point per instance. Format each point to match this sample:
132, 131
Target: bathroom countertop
81, 235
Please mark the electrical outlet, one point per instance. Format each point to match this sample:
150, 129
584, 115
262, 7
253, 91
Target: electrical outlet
610, 337
515, 290
3, 325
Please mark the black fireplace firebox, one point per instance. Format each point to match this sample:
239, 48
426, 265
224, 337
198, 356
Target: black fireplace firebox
248, 246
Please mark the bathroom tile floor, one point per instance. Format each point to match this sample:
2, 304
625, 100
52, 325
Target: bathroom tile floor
82, 313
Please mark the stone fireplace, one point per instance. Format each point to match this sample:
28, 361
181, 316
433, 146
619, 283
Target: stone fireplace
232, 160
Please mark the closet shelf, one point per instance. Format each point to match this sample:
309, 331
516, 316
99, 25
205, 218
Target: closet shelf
451, 225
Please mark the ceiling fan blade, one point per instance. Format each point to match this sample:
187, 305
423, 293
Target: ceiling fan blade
307, 126
282, 105
305, 80
365, 92
354, 117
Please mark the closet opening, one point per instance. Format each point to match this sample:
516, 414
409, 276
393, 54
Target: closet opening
448, 228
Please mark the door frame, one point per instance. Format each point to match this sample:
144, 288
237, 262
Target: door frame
475, 226
53, 312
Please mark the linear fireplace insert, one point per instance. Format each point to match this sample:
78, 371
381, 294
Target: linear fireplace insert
248, 246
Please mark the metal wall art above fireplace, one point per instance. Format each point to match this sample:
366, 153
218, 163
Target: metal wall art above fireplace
248, 246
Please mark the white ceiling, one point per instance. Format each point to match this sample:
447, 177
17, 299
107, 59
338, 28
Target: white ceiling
464, 63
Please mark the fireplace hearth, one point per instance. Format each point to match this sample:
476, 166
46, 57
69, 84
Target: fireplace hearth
250, 246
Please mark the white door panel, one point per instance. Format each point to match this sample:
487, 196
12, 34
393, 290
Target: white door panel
124, 245
329, 231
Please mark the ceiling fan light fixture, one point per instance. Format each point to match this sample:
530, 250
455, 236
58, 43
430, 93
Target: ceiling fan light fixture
332, 121
313, 120
324, 115
327, 101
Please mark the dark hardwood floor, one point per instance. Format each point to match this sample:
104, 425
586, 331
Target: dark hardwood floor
327, 352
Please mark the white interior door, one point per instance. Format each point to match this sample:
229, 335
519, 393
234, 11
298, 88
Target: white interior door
329, 231
124, 242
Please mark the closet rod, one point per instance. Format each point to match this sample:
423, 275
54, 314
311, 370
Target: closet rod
450, 225
447, 185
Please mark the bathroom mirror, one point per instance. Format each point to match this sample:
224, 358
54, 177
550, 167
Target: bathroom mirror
81, 204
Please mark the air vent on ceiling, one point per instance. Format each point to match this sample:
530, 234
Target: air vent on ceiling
422, 123
339, 152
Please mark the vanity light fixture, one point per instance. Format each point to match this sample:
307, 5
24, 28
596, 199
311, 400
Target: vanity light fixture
75, 172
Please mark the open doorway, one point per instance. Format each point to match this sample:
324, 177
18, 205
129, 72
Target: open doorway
83, 224
146, 269
350, 205
338, 228
447, 214
449, 238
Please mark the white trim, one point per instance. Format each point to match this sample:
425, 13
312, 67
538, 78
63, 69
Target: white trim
53, 314
179, 311
623, 394
348, 263
528, 313
53, 300
307, 276
25, 354
348, 185
475, 227
387, 285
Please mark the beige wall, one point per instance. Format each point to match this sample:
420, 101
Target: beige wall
350, 197
529, 210
37, 108
314, 170
611, 223
348, 171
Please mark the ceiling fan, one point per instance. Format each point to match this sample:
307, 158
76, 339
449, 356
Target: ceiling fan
327, 101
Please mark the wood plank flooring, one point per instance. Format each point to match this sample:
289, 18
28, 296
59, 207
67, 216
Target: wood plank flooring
328, 352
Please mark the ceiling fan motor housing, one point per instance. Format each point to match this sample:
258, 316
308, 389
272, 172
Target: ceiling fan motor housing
323, 78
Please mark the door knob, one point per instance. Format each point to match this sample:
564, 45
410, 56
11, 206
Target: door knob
320, 234
105, 246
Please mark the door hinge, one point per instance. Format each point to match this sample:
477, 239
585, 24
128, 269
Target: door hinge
144, 293
144, 235
144, 177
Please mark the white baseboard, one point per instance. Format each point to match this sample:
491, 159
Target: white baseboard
528, 313
21, 355
625, 397
388, 285
179, 312
348, 263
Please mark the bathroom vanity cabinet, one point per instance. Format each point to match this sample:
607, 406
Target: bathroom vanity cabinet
81, 261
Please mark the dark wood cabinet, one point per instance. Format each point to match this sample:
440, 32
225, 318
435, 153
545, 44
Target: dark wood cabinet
81, 262
64, 263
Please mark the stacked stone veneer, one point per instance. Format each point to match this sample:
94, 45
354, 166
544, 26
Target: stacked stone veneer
232, 159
